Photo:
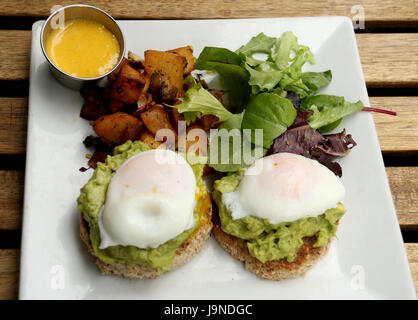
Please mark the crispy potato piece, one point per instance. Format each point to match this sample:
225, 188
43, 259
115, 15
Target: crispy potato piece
218, 94
148, 138
131, 73
170, 68
112, 76
117, 128
95, 102
186, 52
175, 117
92, 110
209, 121
116, 105
157, 121
128, 85
135, 60
147, 83
197, 140
144, 99
156, 118
98, 156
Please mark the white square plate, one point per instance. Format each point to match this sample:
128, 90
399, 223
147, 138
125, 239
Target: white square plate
367, 260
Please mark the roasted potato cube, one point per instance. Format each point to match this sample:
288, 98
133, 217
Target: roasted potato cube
95, 102
116, 105
148, 138
112, 76
196, 140
157, 121
170, 68
209, 121
98, 156
175, 118
135, 60
117, 128
144, 99
218, 94
125, 90
92, 110
186, 52
131, 73
156, 118
128, 85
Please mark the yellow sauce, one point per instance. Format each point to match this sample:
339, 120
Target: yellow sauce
205, 203
83, 48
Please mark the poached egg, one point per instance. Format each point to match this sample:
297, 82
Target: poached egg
285, 187
150, 200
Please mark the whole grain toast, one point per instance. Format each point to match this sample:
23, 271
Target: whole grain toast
183, 254
307, 256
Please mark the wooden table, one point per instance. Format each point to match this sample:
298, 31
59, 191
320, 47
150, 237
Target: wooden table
389, 53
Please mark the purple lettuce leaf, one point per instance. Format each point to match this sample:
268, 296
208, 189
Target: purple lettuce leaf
302, 139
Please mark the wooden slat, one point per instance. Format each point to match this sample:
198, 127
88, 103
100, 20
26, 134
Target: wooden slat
389, 60
386, 62
405, 197
14, 54
400, 133
412, 253
9, 274
11, 199
384, 12
404, 186
9, 270
13, 121
396, 134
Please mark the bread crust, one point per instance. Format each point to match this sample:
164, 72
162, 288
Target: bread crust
307, 256
183, 254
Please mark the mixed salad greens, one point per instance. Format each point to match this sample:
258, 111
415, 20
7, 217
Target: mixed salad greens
272, 94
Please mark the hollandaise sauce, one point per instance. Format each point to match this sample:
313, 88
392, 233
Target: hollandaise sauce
83, 48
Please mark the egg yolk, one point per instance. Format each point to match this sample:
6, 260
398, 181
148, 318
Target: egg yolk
204, 202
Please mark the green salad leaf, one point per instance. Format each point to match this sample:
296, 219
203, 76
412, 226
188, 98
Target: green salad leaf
303, 55
328, 109
238, 154
215, 54
292, 78
330, 127
216, 158
271, 113
316, 80
285, 44
198, 101
257, 88
234, 81
264, 76
309, 83
233, 77
258, 44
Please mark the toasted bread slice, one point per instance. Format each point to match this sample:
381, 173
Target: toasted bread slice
306, 258
183, 254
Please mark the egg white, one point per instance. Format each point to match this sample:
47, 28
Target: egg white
285, 187
150, 200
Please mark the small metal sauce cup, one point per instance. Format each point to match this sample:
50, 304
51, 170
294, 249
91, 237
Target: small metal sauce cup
80, 11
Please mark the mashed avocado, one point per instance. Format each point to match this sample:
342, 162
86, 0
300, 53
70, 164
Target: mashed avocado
92, 199
268, 242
